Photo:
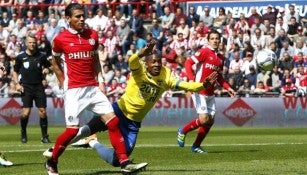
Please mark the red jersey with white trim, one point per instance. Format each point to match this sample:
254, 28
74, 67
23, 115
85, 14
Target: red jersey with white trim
207, 61
78, 51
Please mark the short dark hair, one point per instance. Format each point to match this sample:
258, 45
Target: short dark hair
213, 32
71, 7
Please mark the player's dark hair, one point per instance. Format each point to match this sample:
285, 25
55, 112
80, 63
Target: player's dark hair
213, 32
71, 7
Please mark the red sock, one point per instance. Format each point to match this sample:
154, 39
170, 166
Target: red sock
194, 124
62, 141
201, 134
117, 140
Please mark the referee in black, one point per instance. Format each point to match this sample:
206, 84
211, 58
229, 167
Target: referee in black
29, 69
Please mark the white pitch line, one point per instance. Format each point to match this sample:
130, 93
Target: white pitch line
165, 145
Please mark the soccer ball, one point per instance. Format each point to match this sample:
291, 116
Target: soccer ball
266, 59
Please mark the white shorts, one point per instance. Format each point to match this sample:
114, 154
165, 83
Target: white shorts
204, 104
85, 98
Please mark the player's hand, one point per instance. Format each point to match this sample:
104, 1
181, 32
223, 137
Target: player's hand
231, 92
210, 80
102, 87
147, 50
19, 88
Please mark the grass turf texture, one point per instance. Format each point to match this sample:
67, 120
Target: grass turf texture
231, 151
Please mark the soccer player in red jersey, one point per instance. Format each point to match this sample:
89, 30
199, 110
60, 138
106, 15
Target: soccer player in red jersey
207, 61
78, 71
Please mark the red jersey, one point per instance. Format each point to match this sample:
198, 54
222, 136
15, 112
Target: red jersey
79, 50
207, 61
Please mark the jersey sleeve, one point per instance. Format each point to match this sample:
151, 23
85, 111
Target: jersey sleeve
17, 64
56, 46
134, 62
177, 84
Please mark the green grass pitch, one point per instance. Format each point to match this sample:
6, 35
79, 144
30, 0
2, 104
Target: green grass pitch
232, 151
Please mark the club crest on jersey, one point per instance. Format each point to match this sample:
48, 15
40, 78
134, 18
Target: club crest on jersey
26, 64
91, 41
197, 53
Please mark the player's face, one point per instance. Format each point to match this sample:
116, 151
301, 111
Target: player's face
76, 20
154, 65
214, 40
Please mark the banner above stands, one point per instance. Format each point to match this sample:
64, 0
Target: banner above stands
237, 7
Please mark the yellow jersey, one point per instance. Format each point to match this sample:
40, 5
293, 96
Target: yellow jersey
144, 90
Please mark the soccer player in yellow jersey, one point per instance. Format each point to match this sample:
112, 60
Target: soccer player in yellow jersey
146, 84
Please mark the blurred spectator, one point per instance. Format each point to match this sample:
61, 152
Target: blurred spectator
99, 20
287, 48
167, 20
90, 19
107, 74
271, 37
246, 89
287, 75
4, 34
5, 20
191, 16
111, 27
115, 90
138, 41
202, 29
257, 39
257, 25
289, 89
292, 13
12, 42
299, 60
179, 17
132, 50
44, 45
293, 28
261, 89
301, 81
12, 22
62, 22
238, 76
206, 17
183, 28
286, 62
122, 34
111, 44
267, 27
122, 65
157, 33
20, 30
237, 62
300, 35
253, 16
300, 47
179, 43
119, 77
160, 6
52, 30
271, 14
273, 47
282, 36
242, 24
263, 76
248, 62
136, 23
30, 18
220, 19
275, 80
280, 24
168, 52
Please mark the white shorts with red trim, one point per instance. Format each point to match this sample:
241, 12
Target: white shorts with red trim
85, 98
204, 104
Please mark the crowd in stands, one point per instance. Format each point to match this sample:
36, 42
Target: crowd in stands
122, 32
